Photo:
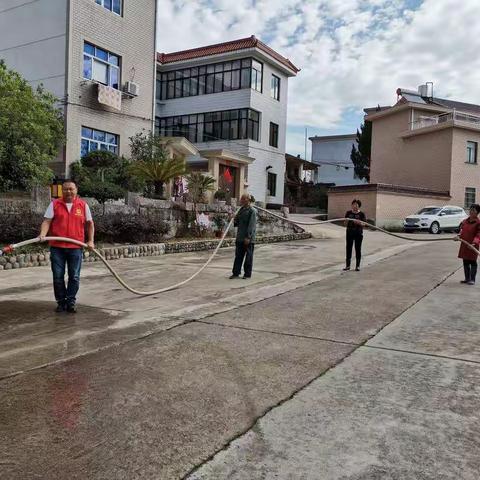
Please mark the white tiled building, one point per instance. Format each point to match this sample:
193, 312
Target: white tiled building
79, 49
230, 101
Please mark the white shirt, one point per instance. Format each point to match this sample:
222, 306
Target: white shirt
49, 214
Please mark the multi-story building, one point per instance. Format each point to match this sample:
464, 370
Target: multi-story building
424, 152
230, 101
332, 155
96, 56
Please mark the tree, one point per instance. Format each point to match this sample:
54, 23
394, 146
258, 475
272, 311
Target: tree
198, 185
361, 153
31, 132
103, 176
152, 162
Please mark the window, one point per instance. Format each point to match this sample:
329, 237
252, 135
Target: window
97, 140
472, 148
212, 126
470, 197
275, 88
101, 66
257, 75
273, 135
214, 78
272, 184
114, 6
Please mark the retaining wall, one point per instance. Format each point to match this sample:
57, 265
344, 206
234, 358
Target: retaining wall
42, 259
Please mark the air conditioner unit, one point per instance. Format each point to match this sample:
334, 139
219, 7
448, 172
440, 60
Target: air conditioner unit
131, 88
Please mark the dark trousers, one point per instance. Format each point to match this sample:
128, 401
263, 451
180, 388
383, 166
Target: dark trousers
470, 269
354, 238
243, 252
72, 259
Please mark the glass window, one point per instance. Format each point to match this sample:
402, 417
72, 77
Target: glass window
218, 82
210, 84
273, 135
87, 66
472, 148
272, 184
220, 77
101, 66
227, 81
92, 140
100, 72
470, 197
114, 6
257, 74
275, 87
212, 126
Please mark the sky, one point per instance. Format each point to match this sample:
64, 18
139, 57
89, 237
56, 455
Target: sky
352, 53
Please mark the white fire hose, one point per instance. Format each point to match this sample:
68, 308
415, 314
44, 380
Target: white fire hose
16, 246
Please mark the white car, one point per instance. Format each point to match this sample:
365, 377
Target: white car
435, 219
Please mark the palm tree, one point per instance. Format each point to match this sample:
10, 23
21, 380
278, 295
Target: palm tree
152, 162
198, 185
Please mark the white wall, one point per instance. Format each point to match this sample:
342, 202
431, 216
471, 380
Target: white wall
33, 41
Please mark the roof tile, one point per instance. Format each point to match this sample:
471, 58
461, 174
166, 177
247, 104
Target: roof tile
226, 47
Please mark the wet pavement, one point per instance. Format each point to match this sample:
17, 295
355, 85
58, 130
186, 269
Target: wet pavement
154, 388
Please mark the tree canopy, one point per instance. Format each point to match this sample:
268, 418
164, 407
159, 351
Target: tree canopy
103, 176
361, 153
153, 164
31, 132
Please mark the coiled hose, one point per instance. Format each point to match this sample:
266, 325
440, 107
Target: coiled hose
13, 247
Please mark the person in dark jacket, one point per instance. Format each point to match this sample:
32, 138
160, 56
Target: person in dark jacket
354, 234
246, 223
470, 232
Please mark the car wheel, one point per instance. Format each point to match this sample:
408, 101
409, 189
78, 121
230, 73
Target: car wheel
408, 230
435, 228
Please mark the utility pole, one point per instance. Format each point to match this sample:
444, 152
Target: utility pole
306, 131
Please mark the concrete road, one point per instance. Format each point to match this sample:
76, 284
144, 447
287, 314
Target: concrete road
309, 372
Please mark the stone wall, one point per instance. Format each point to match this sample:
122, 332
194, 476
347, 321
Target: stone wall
22, 260
16, 203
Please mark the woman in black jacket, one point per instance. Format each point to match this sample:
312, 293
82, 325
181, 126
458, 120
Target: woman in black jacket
354, 234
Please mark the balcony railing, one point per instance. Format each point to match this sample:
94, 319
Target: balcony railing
454, 116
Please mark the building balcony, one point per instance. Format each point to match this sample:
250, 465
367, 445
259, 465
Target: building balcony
439, 122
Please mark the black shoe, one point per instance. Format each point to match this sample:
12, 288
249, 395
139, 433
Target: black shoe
357, 269
346, 269
71, 309
231, 277
464, 281
246, 277
471, 282
60, 308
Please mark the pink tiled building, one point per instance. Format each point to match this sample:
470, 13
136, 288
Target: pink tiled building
424, 152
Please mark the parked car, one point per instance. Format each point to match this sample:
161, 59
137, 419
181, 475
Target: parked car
436, 219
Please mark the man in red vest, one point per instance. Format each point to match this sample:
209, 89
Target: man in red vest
67, 217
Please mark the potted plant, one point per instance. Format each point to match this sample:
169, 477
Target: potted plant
221, 197
219, 223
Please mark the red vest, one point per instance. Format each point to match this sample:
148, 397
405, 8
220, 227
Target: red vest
70, 225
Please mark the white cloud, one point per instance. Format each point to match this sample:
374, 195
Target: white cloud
353, 53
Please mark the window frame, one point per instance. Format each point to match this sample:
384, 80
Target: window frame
105, 63
275, 86
91, 140
273, 137
226, 76
272, 180
471, 143
222, 125
469, 191
102, 4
